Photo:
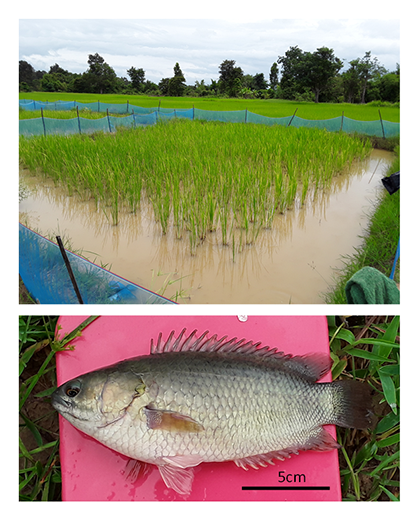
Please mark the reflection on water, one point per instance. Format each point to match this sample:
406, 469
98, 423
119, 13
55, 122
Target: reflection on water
292, 262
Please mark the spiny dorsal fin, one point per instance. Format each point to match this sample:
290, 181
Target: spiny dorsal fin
310, 366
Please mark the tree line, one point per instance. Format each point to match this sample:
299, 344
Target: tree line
298, 76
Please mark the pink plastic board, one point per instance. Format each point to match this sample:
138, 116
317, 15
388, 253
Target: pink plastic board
92, 472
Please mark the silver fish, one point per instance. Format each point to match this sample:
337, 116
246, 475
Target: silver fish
195, 400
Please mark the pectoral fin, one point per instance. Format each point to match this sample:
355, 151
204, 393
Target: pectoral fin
170, 421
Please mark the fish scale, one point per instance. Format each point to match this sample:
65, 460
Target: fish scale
207, 400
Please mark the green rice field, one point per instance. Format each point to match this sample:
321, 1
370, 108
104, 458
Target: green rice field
198, 176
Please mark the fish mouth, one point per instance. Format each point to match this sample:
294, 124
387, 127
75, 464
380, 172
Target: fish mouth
58, 402
61, 405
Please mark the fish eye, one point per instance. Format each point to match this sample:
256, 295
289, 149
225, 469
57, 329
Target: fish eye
72, 391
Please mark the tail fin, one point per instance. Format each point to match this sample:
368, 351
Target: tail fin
352, 403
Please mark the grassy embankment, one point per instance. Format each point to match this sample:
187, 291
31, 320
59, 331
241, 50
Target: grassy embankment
365, 348
380, 241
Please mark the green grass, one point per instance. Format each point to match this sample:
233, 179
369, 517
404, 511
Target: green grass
271, 108
63, 114
368, 349
39, 467
199, 177
380, 242
365, 348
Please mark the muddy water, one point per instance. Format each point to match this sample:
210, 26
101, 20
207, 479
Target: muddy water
293, 262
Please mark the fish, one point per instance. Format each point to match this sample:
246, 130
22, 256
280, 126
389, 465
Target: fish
209, 399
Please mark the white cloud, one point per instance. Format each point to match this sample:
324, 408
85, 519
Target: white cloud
199, 46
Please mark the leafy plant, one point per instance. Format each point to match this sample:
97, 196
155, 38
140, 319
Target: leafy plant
39, 466
368, 349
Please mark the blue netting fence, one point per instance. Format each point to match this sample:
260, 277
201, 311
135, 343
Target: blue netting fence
141, 116
44, 273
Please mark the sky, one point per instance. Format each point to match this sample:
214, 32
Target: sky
200, 45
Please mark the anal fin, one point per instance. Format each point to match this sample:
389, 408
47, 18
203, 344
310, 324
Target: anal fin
177, 478
262, 460
321, 440
137, 471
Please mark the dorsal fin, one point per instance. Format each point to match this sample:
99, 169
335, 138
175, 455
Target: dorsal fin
310, 366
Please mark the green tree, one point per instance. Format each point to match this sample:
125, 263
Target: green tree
202, 89
102, 77
247, 81
304, 70
259, 82
319, 68
274, 76
26, 74
164, 86
151, 88
230, 78
390, 87
368, 68
176, 84
56, 69
351, 82
137, 77
292, 65
53, 83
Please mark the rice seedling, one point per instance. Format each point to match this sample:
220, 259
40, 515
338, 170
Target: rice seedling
198, 176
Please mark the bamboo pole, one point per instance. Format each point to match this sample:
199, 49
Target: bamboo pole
383, 130
109, 123
78, 119
290, 122
69, 270
43, 121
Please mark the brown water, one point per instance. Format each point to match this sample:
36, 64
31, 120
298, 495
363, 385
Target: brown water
293, 262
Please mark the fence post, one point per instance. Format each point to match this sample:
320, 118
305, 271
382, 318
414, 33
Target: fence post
109, 123
69, 270
342, 121
246, 115
127, 106
159, 106
383, 130
43, 121
98, 107
292, 118
134, 119
78, 119
193, 112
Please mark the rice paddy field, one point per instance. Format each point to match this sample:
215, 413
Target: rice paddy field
198, 177
201, 197
271, 108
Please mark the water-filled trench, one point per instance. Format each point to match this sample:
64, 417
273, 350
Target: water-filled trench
293, 262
